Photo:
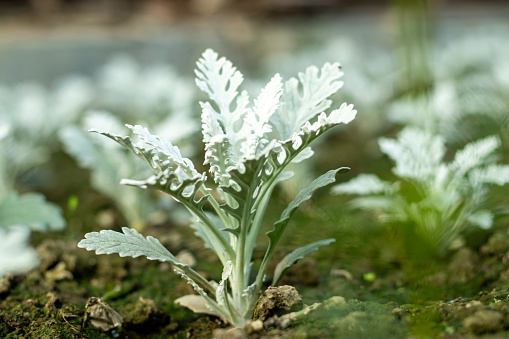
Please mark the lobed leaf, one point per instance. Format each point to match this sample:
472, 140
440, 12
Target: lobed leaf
305, 98
148, 156
130, 243
474, 154
417, 154
493, 174
221, 80
256, 122
221, 294
165, 147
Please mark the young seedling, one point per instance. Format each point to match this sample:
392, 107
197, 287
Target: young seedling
247, 149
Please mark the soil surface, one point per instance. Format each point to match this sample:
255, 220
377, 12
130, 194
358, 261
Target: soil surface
368, 285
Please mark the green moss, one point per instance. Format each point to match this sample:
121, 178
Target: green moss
352, 319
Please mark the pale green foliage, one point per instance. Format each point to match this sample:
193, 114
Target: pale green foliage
31, 210
19, 214
30, 116
449, 197
138, 91
155, 95
109, 163
247, 148
16, 255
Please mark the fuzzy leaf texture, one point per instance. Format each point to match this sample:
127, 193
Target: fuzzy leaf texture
130, 243
305, 98
221, 80
174, 174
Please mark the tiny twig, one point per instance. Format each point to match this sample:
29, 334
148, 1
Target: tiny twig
70, 316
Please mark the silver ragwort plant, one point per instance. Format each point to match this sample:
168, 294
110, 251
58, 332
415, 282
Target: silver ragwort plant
247, 149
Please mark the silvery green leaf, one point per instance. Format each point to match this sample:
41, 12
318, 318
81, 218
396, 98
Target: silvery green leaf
108, 166
303, 155
16, 255
384, 203
197, 304
175, 183
184, 190
221, 80
254, 177
5, 130
363, 184
148, 156
474, 154
218, 150
304, 195
492, 174
417, 153
221, 294
256, 121
283, 176
31, 210
444, 201
305, 98
295, 255
203, 233
107, 120
482, 218
170, 162
130, 243
165, 147
201, 303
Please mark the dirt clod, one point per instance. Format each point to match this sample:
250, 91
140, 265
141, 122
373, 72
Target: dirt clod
277, 301
232, 333
5, 285
145, 316
254, 326
485, 321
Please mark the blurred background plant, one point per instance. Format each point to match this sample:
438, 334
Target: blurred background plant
127, 93
439, 200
